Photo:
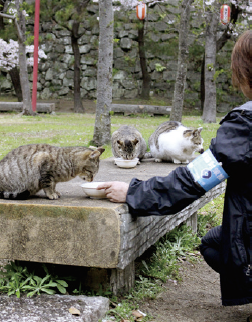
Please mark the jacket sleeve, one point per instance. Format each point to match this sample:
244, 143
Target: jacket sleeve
163, 195
231, 146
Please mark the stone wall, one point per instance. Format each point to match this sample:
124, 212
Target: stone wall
55, 78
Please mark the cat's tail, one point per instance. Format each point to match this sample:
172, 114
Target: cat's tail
147, 155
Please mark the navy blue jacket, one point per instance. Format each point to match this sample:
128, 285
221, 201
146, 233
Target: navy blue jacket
168, 195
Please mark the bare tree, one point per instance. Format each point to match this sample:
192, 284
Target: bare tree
178, 100
102, 127
226, 35
14, 72
64, 10
145, 93
21, 29
212, 20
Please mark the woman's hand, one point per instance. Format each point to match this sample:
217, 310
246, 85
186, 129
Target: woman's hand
116, 191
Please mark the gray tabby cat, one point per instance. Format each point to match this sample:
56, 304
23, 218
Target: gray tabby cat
29, 168
127, 143
174, 142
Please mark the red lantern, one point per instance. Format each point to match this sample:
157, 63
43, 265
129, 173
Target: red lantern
225, 14
141, 10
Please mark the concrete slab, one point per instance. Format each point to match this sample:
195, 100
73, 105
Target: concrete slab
96, 234
72, 194
18, 106
78, 230
128, 109
52, 308
75, 229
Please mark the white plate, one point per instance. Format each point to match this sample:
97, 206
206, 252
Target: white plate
121, 163
90, 190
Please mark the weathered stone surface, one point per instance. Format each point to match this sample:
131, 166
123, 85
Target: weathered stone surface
68, 82
120, 75
6, 85
96, 234
49, 74
138, 109
90, 71
62, 235
137, 233
17, 106
88, 84
45, 94
64, 91
125, 43
52, 308
85, 49
76, 230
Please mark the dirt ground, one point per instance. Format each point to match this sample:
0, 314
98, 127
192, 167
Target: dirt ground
196, 299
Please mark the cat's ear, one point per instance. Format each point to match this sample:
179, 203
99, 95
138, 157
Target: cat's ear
196, 132
96, 153
119, 142
100, 149
188, 133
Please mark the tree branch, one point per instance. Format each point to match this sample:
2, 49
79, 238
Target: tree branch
4, 15
19, 33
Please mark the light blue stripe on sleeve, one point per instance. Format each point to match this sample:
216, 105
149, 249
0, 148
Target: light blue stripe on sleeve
207, 171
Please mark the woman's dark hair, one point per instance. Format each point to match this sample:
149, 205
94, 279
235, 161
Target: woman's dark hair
242, 60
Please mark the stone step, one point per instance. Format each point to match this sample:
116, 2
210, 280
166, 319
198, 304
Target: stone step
52, 308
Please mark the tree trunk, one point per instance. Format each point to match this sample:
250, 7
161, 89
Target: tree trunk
235, 11
178, 101
209, 110
202, 83
78, 107
1, 18
145, 93
20, 24
102, 127
14, 74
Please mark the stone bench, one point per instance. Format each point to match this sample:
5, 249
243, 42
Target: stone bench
127, 109
98, 235
18, 107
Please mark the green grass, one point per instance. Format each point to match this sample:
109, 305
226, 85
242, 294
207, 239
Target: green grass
77, 129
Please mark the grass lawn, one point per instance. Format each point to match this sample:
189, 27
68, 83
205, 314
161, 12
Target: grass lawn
71, 129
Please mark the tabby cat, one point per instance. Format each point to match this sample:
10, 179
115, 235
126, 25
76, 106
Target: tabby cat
127, 143
174, 142
29, 168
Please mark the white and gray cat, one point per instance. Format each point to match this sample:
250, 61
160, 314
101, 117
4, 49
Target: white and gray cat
174, 142
29, 168
127, 143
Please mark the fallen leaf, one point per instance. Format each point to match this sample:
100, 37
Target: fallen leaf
138, 315
74, 311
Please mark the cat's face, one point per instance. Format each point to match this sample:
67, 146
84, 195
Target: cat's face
195, 139
90, 164
127, 148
